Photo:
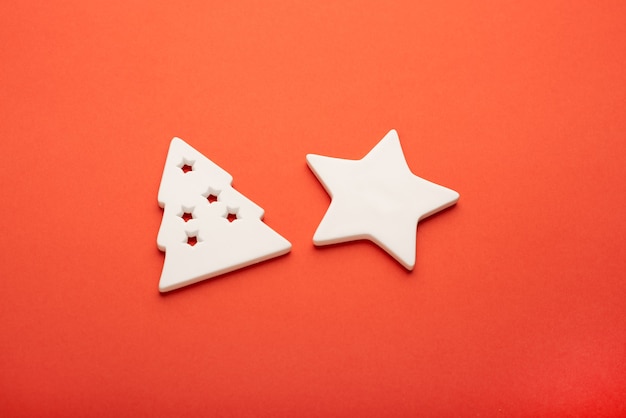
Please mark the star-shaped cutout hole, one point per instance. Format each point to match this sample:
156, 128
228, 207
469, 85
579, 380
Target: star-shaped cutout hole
186, 165
186, 213
212, 195
231, 215
192, 239
377, 198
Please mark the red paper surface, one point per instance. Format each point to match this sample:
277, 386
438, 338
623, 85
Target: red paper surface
517, 304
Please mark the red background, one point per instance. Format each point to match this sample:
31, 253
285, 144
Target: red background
517, 305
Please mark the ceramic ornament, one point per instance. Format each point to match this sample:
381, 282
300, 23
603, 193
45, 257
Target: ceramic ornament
377, 198
208, 228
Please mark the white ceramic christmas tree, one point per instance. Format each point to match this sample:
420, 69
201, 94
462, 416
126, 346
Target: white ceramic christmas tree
208, 228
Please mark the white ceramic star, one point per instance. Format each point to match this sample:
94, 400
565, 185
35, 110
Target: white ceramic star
377, 198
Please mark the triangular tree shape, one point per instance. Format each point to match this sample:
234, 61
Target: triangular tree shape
208, 228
